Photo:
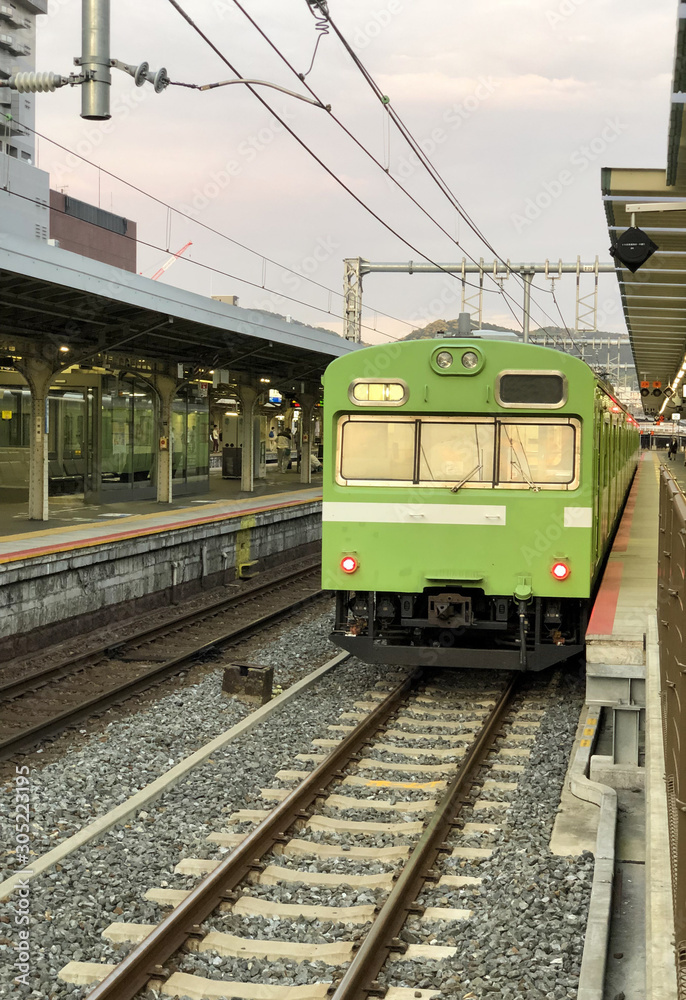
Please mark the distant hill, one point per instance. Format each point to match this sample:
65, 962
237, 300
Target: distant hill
450, 328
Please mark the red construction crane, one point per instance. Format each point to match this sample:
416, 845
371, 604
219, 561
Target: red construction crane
167, 264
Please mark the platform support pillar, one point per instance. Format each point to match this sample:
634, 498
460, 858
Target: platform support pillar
307, 404
166, 388
248, 397
39, 374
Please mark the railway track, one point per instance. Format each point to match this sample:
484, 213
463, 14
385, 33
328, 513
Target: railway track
477, 741
72, 688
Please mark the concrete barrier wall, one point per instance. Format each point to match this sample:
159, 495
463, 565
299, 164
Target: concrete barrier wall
50, 597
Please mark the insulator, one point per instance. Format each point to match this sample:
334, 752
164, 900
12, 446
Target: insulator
36, 83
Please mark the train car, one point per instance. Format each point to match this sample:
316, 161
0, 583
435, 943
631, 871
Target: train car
472, 488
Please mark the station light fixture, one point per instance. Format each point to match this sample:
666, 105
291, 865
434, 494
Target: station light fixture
560, 570
674, 386
64, 349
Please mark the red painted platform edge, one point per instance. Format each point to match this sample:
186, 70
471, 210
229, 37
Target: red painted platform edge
141, 533
603, 615
602, 621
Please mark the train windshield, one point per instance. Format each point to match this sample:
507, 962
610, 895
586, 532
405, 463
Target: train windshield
536, 453
456, 452
378, 450
486, 452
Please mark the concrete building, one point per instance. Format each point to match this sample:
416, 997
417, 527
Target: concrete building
92, 232
18, 55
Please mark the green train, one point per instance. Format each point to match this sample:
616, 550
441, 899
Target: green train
472, 488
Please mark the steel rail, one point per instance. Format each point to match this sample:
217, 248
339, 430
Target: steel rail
359, 979
16, 688
145, 680
144, 962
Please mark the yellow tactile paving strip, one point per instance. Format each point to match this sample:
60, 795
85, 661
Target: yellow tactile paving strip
34, 544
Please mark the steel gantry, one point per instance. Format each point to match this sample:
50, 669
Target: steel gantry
472, 294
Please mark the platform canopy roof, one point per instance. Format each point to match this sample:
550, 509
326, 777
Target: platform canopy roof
654, 298
54, 296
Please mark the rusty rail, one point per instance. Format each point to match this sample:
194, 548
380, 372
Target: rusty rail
671, 613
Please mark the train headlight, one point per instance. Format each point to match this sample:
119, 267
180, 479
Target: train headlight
349, 564
469, 359
560, 570
444, 359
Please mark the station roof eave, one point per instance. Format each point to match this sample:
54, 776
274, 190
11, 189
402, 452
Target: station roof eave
654, 297
48, 293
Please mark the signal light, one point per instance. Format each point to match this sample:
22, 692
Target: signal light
560, 571
349, 564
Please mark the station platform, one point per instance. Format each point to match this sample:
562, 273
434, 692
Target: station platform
108, 563
76, 526
71, 511
627, 598
614, 801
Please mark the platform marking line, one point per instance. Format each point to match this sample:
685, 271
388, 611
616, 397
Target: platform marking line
141, 533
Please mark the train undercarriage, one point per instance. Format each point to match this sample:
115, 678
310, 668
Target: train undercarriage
461, 629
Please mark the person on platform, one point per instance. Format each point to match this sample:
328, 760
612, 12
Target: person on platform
283, 448
215, 438
673, 448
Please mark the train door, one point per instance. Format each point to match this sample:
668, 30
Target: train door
597, 484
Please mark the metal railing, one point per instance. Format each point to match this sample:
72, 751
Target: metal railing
672, 633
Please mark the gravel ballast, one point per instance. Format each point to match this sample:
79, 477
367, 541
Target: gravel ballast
106, 880
107, 767
519, 943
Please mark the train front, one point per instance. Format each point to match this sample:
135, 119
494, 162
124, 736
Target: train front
458, 522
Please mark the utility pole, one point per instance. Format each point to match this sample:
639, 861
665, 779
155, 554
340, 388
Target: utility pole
527, 276
95, 60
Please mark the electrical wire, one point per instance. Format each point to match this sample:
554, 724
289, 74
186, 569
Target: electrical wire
303, 144
322, 27
217, 232
216, 270
419, 152
374, 159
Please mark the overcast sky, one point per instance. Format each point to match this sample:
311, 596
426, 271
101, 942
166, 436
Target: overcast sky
519, 103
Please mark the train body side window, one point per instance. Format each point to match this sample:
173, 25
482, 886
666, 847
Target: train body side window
378, 450
536, 453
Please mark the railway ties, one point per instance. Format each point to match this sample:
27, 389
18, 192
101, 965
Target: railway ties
67, 690
392, 813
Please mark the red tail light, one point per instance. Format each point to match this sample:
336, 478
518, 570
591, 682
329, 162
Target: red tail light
349, 564
560, 570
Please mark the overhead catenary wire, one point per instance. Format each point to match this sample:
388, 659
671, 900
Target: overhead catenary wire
377, 162
423, 158
216, 270
177, 6
222, 235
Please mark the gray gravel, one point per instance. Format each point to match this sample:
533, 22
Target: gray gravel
105, 769
524, 939
106, 881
